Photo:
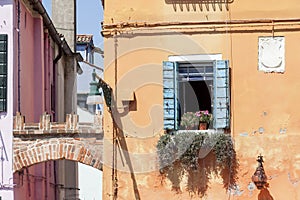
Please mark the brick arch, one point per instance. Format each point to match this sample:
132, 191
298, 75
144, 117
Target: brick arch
84, 150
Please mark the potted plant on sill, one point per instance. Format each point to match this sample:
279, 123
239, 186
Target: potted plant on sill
189, 121
204, 118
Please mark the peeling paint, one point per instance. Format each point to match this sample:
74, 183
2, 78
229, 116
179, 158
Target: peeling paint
236, 191
251, 188
272, 176
294, 181
282, 131
261, 130
244, 134
265, 113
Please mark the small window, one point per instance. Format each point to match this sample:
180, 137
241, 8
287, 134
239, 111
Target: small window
190, 87
3, 73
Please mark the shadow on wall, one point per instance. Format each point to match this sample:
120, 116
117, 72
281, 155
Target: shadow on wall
194, 5
265, 195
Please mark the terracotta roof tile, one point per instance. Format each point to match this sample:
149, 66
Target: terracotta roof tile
83, 38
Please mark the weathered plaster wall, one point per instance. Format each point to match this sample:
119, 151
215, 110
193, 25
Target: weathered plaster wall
265, 102
64, 15
27, 64
48, 72
266, 9
59, 92
177, 10
266, 116
143, 11
35, 182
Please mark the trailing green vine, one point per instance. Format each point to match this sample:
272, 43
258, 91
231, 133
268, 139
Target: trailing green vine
197, 153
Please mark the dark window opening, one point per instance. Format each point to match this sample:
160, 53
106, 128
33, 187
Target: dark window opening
195, 88
195, 96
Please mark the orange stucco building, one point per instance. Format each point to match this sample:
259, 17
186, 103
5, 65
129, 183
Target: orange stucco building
259, 39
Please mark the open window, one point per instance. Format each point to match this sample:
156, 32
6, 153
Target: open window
194, 86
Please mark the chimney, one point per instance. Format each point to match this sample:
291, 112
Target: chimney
64, 19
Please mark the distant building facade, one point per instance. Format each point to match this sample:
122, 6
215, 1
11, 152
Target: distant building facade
38, 73
85, 46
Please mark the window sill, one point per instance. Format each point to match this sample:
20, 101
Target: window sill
209, 131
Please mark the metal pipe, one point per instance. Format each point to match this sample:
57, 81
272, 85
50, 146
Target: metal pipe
19, 62
46, 181
92, 65
266, 28
110, 30
53, 96
193, 23
28, 182
55, 180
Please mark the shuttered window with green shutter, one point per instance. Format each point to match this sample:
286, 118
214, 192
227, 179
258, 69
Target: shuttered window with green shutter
3, 73
215, 72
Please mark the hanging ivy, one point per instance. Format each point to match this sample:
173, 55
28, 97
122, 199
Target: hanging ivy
202, 152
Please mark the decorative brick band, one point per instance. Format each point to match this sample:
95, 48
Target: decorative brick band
84, 150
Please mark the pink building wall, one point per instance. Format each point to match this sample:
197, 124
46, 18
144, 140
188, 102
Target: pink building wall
36, 182
32, 60
48, 72
34, 57
36, 64
36, 76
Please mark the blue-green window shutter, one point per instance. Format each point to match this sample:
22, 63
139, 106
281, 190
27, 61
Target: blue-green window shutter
170, 95
3, 72
221, 98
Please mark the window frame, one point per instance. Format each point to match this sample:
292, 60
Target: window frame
221, 77
3, 72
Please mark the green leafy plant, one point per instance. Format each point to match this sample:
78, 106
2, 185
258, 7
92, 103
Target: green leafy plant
189, 120
194, 152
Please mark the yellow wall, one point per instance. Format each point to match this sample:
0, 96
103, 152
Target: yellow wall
144, 11
258, 99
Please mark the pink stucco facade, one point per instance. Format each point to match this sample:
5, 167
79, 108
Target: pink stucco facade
33, 97
35, 51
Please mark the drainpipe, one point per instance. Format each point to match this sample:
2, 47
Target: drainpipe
28, 183
46, 182
55, 61
19, 66
55, 180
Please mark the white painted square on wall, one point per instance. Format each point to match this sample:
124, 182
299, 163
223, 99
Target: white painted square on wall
271, 54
